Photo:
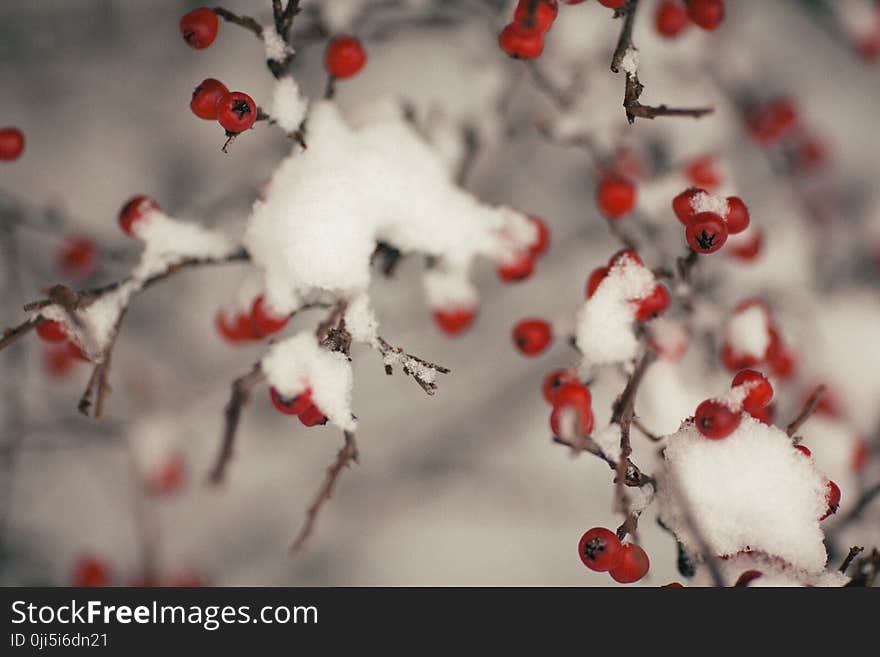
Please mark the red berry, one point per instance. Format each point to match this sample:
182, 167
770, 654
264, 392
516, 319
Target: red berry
236, 111
455, 320
682, 207
707, 14
344, 57
737, 215
294, 406
670, 18
51, 331
772, 121
760, 392
803, 450
702, 172
75, 351
77, 257
616, 196
748, 577
595, 280
633, 565
622, 255
239, 329
554, 381
653, 305
199, 27
542, 241
11, 144
90, 571
600, 549
574, 394
532, 336
673, 585
706, 233
312, 416
572, 398
58, 361
613, 4
832, 497
205, 97
541, 19
134, 211
264, 322
521, 44
716, 420
750, 248
518, 269
169, 478
764, 414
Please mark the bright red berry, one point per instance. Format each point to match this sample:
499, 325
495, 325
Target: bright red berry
832, 497
737, 217
205, 98
554, 381
292, 406
532, 336
572, 398
764, 415
199, 28
236, 111
344, 57
715, 419
518, 269
51, 331
91, 572
540, 19
596, 277
600, 549
77, 257
707, 14
454, 321
134, 211
521, 44
634, 564
702, 172
670, 18
804, 450
682, 207
265, 322
653, 305
239, 329
11, 144
706, 233
622, 255
312, 416
613, 4
542, 240
750, 248
759, 391
616, 196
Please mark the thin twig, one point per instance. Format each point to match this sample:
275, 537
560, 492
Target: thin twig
10, 335
346, 455
854, 551
98, 387
246, 22
421, 370
241, 392
806, 411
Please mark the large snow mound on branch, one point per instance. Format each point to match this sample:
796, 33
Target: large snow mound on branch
750, 491
605, 322
327, 206
774, 573
299, 362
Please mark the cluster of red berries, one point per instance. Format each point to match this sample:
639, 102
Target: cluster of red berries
63, 352
134, 211
601, 550
615, 195
672, 17
778, 356
199, 28
532, 336
706, 232
302, 406
11, 144
568, 396
253, 325
344, 57
523, 37
522, 265
77, 257
234, 110
717, 419
647, 308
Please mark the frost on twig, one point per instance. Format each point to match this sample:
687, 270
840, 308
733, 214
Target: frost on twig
422, 371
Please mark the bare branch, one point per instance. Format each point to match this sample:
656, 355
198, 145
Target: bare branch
98, 387
10, 335
854, 551
806, 411
246, 22
241, 392
422, 371
344, 458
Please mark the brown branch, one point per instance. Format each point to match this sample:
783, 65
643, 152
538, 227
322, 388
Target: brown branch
867, 569
634, 477
854, 551
806, 411
98, 387
241, 392
347, 454
411, 365
633, 88
246, 22
10, 335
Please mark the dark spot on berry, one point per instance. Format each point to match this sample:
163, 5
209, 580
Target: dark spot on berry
189, 37
706, 241
594, 548
242, 107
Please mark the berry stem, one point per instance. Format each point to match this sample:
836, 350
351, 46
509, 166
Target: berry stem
805, 413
